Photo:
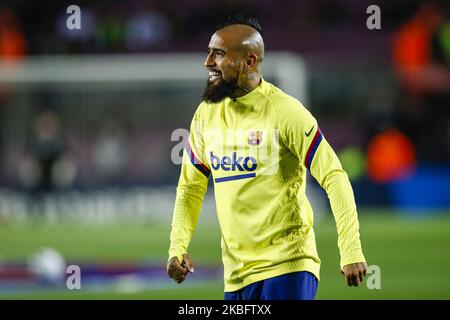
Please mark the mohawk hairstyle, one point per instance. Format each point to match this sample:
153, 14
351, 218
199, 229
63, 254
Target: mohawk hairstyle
240, 18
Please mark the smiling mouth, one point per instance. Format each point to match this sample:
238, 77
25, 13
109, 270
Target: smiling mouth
214, 75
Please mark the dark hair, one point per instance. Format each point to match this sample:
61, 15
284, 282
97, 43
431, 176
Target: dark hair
240, 18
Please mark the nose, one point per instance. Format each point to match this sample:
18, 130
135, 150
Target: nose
209, 62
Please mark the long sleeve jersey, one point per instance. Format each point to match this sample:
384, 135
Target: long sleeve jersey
257, 149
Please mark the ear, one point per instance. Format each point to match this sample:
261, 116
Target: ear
250, 62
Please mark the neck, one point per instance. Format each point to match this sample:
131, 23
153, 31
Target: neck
252, 80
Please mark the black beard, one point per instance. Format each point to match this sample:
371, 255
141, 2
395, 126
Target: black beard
216, 93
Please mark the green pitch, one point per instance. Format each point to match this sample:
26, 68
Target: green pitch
411, 253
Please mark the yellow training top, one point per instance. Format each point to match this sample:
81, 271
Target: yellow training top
257, 148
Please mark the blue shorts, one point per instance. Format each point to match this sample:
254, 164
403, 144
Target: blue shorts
290, 286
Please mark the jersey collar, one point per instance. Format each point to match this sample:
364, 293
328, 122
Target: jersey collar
254, 97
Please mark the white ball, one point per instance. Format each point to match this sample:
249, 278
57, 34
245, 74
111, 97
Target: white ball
48, 265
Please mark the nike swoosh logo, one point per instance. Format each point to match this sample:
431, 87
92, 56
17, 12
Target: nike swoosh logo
308, 133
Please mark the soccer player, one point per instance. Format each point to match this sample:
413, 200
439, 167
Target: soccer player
256, 142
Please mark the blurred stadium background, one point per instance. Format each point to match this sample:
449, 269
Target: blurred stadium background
87, 121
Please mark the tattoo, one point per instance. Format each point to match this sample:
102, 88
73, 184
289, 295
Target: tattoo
251, 76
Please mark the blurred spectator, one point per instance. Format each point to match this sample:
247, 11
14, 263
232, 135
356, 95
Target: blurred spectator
110, 151
110, 32
48, 168
144, 29
442, 42
12, 40
353, 160
424, 81
390, 157
413, 52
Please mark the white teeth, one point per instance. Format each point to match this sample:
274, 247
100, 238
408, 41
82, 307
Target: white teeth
214, 74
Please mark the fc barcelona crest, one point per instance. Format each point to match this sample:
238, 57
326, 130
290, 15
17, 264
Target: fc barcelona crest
255, 138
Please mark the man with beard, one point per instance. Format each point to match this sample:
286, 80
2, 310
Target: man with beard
257, 143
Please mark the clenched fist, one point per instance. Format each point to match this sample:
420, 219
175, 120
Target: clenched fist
178, 271
354, 273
